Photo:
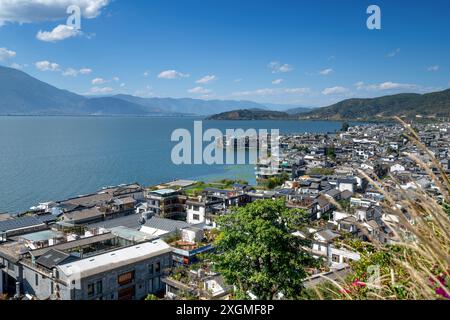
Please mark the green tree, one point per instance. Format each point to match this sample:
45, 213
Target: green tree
345, 127
258, 253
151, 297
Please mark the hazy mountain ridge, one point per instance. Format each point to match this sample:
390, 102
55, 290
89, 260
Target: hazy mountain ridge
21, 94
410, 105
253, 114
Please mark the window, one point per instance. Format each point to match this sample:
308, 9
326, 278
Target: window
126, 278
158, 267
90, 290
126, 294
335, 258
196, 217
99, 287
196, 208
150, 285
156, 284
150, 269
36, 279
51, 288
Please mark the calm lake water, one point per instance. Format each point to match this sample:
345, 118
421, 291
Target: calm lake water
53, 158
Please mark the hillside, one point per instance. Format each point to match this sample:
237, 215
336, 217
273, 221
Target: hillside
21, 94
254, 114
410, 105
190, 106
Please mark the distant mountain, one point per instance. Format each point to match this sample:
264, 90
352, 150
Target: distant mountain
298, 110
254, 114
410, 105
21, 94
290, 108
191, 106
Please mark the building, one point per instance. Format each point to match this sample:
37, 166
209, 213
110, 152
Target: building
166, 203
60, 273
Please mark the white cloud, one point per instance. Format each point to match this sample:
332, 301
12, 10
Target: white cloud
384, 86
59, 33
147, 92
433, 68
71, 72
27, 11
278, 67
98, 81
335, 90
237, 80
47, 66
206, 79
199, 90
172, 74
326, 72
277, 81
297, 90
258, 92
271, 91
17, 66
6, 54
101, 89
116, 79
393, 53
85, 71
122, 85
146, 73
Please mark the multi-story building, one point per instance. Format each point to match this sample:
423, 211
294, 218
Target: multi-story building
166, 203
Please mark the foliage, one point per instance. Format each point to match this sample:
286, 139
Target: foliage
321, 171
258, 253
409, 104
345, 127
416, 264
331, 153
151, 297
345, 205
274, 182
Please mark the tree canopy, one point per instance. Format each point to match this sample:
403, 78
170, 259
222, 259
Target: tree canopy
258, 253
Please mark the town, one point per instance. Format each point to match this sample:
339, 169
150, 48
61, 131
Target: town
156, 242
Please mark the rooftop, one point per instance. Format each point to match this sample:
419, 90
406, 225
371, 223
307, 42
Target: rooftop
19, 223
163, 192
41, 236
115, 259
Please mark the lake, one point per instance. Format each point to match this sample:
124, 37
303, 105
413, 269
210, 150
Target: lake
54, 158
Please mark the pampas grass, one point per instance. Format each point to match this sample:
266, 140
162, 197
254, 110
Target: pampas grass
416, 265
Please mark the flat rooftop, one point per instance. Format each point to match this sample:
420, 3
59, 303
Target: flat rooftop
181, 183
74, 244
41, 236
131, 234
164, 192
115, 259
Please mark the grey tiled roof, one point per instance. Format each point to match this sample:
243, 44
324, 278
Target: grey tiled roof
19, 223
166, 224
131, 221
52, 258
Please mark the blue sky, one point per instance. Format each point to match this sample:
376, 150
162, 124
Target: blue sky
310, 53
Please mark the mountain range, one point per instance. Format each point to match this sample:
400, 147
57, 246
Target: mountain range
408, 105
21, 94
